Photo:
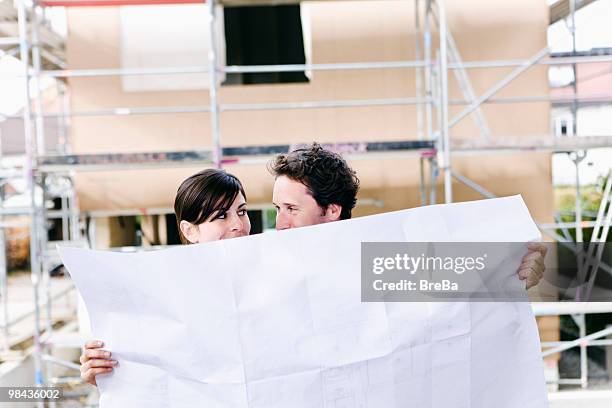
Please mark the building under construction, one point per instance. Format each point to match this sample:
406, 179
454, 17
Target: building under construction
115, 102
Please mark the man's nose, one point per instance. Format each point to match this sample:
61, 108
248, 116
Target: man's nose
281, 221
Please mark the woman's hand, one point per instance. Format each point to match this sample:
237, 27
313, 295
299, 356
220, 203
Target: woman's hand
532, 266
94, 361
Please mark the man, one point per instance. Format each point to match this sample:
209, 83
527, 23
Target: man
312, 186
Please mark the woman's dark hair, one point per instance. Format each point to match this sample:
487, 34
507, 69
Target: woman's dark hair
203, 194
326, 175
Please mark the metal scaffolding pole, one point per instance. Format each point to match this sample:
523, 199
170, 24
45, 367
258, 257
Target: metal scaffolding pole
499, 85
235, 69
429, 85
331, 104
584, 359
599, 235
347, 66
64, 119
73, 209
577, 157
46, 273
418, 73
574, 70
466, 88
518, 63
577, 342
38, 212
36, 63
473, 185
587, 260
419, 78
30, 168
4, 281
464, 83
445, 128
214, 103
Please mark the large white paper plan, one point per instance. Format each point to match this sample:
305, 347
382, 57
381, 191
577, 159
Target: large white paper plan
276, 320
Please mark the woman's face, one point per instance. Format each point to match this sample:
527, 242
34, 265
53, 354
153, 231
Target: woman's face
220, 225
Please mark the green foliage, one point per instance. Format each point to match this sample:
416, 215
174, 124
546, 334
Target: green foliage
565, 203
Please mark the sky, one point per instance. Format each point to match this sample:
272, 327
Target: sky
12, 84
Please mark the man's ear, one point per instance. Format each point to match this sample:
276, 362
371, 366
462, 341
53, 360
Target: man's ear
332, 212
189, 231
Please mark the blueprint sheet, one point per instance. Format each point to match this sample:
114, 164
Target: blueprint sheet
276, 320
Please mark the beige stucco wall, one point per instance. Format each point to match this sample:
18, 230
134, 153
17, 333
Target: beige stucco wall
341, 32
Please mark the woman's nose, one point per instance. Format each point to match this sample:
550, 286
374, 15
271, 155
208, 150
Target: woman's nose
237, 224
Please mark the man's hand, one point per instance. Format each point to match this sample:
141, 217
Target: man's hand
532, 266
94, 361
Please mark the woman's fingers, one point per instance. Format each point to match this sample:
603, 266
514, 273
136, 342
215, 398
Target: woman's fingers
92, 344
94, 361
99, 363
89, 376
95, 353
93, 367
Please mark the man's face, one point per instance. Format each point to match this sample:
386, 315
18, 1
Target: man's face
295, 207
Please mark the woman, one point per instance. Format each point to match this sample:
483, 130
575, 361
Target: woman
209, 206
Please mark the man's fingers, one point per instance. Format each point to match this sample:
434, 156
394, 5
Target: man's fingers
540, 268
531, 256
526, 272
537, 265
532, 280
538, 247
532, 271
531, 283
92, 344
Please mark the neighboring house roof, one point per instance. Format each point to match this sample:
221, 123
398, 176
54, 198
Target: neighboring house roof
12, 136
593, 80
562, 8
594, 52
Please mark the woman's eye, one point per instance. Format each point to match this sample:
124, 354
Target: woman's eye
220, 216
242, 212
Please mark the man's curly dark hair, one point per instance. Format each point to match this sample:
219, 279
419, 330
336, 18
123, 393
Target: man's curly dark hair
326, 175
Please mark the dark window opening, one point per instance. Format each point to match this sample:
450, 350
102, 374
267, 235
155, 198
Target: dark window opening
172, 231
264, 35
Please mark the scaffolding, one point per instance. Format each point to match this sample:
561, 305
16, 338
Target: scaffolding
432, 144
